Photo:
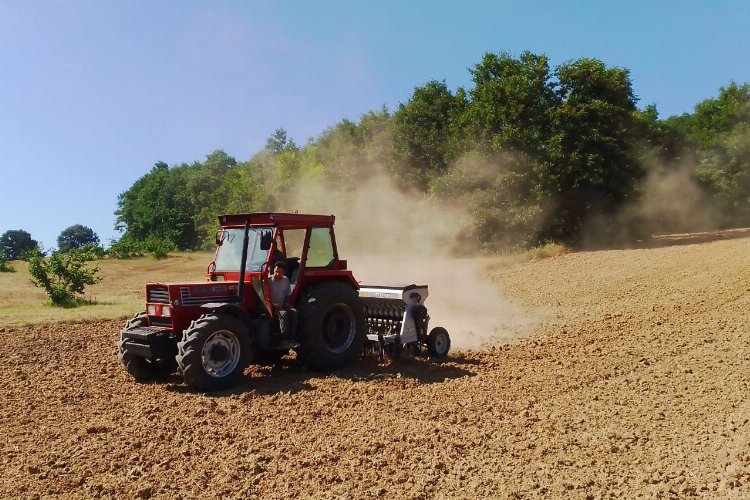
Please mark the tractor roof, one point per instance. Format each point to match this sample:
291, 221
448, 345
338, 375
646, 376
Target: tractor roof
277, 219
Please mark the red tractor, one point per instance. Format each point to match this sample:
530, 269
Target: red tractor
212, 330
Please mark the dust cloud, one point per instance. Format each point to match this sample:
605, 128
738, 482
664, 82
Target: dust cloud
673, 201
394, 237
670, 201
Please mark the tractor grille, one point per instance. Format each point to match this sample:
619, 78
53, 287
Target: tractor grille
157, 295
160, 321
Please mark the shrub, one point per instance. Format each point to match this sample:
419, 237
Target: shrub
547, 251
5, 266
90, 251
63, 276
126, 249
159, 248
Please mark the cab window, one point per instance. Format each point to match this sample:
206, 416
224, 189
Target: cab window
320, 252
294, 240
229, 252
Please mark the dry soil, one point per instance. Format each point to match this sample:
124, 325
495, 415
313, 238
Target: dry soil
632, 382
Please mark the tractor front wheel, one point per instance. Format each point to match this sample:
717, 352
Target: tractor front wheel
214, 351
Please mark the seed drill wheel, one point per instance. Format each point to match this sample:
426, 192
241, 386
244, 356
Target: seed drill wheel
142, 369
331, 327
214, 351
438, 342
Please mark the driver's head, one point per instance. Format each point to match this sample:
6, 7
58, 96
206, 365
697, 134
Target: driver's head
279, 270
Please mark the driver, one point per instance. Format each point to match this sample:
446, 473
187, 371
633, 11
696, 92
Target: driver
281, 292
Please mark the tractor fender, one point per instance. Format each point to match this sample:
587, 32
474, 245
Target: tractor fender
235, 310
258, 328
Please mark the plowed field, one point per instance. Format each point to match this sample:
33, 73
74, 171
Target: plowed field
632, 381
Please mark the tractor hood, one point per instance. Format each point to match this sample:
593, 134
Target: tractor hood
170, 305
190, 294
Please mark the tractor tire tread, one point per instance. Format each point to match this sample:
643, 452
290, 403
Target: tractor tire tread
189, 357
313, 308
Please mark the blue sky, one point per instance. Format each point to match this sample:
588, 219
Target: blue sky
93, 93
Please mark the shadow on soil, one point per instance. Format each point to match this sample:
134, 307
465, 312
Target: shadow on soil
670, 240
289, 376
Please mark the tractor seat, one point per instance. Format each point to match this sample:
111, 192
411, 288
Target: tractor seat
292, 265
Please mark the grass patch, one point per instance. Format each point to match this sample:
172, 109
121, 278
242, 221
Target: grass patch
547, 251
503, 261
120, 294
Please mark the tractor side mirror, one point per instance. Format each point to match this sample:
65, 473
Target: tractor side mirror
266, 238
220, 235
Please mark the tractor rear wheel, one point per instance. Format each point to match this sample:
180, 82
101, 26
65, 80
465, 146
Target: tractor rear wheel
214, 351
331, 327
438, 342
142, 369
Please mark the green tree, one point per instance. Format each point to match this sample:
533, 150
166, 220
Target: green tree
160, 205
660, 144
242, 190
204, 184
76, 236
279, 142
718, 133
591, 167
422, 131
496, 190
714, 117
16, 243
725, 173
511, 103
341, 150
63, 276
350, 153
376, 132
496, 136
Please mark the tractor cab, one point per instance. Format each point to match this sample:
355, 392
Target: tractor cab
305, 243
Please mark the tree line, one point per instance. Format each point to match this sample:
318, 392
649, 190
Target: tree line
15, 244
535, 154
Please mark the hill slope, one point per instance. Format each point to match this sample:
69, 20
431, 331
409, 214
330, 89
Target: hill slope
633, 382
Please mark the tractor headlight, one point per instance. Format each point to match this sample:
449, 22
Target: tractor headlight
151, 309
166, 311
